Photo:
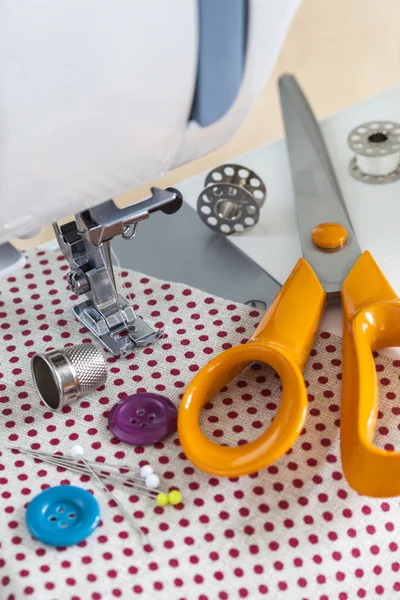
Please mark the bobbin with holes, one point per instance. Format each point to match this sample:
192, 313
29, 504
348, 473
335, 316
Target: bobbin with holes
377, 152
232, 199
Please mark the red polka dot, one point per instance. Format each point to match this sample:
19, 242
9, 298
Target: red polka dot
296, 532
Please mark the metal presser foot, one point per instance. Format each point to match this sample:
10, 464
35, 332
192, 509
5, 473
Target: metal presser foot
85, 243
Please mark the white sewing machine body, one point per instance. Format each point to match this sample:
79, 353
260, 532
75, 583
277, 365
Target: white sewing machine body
97, 97
103, 96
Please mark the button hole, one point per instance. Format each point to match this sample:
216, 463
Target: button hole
151, 417
71, 516
63, 524
60, 509
52, 518
140, 412
144, 425
133, 421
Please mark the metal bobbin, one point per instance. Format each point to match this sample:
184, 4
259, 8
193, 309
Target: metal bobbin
377, 152
232, 199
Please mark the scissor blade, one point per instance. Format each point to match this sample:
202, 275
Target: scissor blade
317, 193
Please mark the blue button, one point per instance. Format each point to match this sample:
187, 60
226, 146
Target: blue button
62, 515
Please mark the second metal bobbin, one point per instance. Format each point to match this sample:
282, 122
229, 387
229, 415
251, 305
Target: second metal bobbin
232, 199
376, 145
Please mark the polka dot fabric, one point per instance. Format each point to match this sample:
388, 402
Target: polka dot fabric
295, 530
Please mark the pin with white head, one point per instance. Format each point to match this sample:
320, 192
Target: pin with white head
77, 451
152, 481
146, 470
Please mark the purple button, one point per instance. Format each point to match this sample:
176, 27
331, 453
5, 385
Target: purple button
143, 419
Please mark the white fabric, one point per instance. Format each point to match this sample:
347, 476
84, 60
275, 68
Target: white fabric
295, 530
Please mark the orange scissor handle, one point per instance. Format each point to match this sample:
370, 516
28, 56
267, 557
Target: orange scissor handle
283, 340
371, 320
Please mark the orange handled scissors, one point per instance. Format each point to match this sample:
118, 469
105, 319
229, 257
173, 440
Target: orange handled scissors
334, 269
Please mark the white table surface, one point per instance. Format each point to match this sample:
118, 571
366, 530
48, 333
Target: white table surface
274, 243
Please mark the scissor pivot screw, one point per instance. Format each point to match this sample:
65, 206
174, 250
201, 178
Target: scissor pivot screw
329, 236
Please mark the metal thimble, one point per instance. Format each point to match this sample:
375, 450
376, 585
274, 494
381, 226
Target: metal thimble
63, 376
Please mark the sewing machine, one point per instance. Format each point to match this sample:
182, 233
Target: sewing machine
104, 96
79, 130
